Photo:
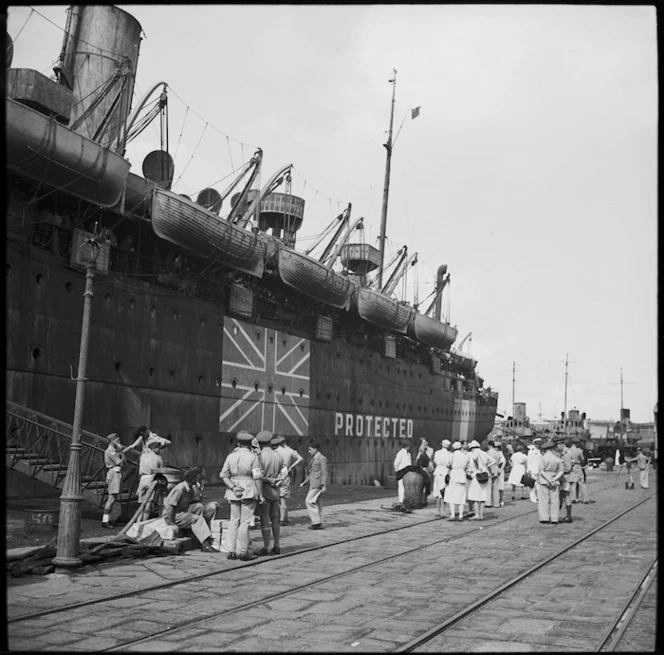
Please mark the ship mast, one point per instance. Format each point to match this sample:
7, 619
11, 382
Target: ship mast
386, 187
565, 408
622, 420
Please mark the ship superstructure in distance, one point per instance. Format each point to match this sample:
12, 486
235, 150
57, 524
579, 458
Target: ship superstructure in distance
204, 320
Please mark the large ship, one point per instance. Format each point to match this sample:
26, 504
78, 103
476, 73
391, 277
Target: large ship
204, 323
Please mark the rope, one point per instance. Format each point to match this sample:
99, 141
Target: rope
32, 11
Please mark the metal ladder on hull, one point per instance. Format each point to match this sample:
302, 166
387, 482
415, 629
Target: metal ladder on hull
38, 446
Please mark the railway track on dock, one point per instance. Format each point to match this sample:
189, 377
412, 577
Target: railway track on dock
369, 563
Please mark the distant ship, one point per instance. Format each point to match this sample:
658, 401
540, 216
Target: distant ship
202, 325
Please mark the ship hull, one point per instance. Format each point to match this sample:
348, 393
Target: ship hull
167, 361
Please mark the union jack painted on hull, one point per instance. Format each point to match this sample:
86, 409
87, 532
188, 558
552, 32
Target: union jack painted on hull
265, 380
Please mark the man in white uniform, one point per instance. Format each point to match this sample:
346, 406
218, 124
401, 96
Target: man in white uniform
402, 460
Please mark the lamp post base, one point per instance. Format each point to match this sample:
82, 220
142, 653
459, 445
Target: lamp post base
67, 561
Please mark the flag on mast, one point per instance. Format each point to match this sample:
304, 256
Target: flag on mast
414, 113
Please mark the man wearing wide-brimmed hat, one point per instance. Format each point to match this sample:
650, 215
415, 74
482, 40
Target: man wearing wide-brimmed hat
243, 475
548, 481
291, 459
114, 460
182, 509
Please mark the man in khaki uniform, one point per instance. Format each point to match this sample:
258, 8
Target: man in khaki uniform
181, 509
243, 475
272, 465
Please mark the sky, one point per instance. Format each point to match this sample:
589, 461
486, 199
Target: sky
531, 170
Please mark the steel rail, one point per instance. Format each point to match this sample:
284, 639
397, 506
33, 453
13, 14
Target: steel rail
441, 627
259, 561
617, 630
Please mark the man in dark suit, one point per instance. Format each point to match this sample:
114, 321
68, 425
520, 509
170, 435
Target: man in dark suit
317, 479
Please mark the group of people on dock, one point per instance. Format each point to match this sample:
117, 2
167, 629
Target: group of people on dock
257, 477
468, 478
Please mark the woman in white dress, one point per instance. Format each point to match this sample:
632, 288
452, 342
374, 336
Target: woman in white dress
478, 492
455, 492
442, 460
518, 460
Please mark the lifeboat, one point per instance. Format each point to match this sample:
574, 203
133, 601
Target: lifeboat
313, 279
41, 148
200, 231
382, 310
431, 331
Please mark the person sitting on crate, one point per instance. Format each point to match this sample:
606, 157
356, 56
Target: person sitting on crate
181, 508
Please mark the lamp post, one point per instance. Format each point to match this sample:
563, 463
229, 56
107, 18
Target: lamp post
69, 529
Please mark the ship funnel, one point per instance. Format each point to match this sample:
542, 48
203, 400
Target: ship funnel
210, 199
440, 284
98, 63
158, 167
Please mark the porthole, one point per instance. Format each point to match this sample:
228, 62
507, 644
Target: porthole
283, 391
202, 320
9, 269
153, 309
269, 388
234, 383
271, 339
380, 403
118, 366
68, 286
131, 302
258, 335
217, 382
255, 386
201, 379
171, 373
329, 395
40, 279
36, 353
175, 313
151, 372
108, 299
317, 395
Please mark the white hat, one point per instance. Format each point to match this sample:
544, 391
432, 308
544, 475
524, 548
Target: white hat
473, 444
446, 443
456, 445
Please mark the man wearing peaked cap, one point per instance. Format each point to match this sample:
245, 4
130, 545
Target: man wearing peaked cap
244, 437
181, 508
548, 483
243, 475
277, 439
264, 437
114, 460
532, 466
